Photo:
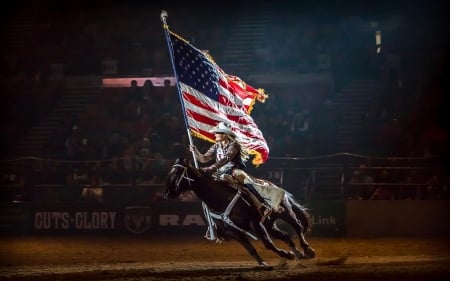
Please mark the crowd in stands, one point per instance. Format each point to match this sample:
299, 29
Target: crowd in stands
131, 135
396, 183
136, 131
407, 116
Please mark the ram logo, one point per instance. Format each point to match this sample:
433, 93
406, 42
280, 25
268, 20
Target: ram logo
138, 219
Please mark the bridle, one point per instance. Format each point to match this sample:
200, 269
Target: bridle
184, 176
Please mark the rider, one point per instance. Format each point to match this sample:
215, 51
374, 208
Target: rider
230, 159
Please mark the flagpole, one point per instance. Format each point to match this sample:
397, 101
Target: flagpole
163, 17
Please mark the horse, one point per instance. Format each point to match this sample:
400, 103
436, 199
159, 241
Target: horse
236, 217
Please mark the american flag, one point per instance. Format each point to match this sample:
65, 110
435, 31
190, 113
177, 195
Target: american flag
210, 95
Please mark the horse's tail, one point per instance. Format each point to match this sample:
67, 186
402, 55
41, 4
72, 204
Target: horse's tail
301, 212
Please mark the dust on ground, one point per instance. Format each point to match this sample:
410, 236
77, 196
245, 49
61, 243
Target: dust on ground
143, 258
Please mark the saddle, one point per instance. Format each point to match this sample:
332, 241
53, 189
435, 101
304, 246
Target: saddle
263, 207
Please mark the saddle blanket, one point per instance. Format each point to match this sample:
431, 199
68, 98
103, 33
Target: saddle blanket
271, 193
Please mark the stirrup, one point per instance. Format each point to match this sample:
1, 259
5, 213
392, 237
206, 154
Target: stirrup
207, 236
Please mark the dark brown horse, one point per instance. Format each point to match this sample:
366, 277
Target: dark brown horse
236, 217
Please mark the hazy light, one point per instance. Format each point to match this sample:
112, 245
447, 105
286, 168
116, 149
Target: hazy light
378, 40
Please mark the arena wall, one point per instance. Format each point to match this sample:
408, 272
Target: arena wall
394, 218
329, 218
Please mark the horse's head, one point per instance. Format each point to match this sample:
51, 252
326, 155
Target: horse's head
178, 180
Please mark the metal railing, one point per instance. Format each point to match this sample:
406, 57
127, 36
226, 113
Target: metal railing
325, 177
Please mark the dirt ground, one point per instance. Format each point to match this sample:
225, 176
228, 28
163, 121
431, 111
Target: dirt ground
141, 258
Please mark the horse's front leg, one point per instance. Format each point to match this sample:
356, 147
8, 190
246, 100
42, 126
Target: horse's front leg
243, 240
268, 243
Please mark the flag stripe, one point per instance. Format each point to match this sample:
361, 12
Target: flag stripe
191, 100
195, 102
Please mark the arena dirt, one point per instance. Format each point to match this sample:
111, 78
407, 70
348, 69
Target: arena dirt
141, 258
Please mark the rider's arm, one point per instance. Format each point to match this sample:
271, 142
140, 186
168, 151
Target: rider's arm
229, 155
207, 156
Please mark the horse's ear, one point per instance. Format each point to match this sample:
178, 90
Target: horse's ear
182, 161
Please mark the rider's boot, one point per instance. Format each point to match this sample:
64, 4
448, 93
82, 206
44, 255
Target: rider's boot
264, 208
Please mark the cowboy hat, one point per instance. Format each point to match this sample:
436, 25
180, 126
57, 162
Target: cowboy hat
224, 128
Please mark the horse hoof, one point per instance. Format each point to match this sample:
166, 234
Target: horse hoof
289, 255
310, 252
264, 266
299, 255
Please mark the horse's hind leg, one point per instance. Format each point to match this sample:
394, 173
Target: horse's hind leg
277, 233
309, 251
298, 228
297, 218
268, 243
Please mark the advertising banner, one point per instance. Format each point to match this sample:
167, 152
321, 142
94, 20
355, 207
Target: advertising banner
89, 218
327, 218
167, 218
158, 218
76, 218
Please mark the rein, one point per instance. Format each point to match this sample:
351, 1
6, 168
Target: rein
183, 176
224, 216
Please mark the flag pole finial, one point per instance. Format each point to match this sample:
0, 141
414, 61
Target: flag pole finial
164, 16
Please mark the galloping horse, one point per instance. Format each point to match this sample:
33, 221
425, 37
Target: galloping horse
236, 217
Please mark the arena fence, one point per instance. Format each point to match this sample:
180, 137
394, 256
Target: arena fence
123, 196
